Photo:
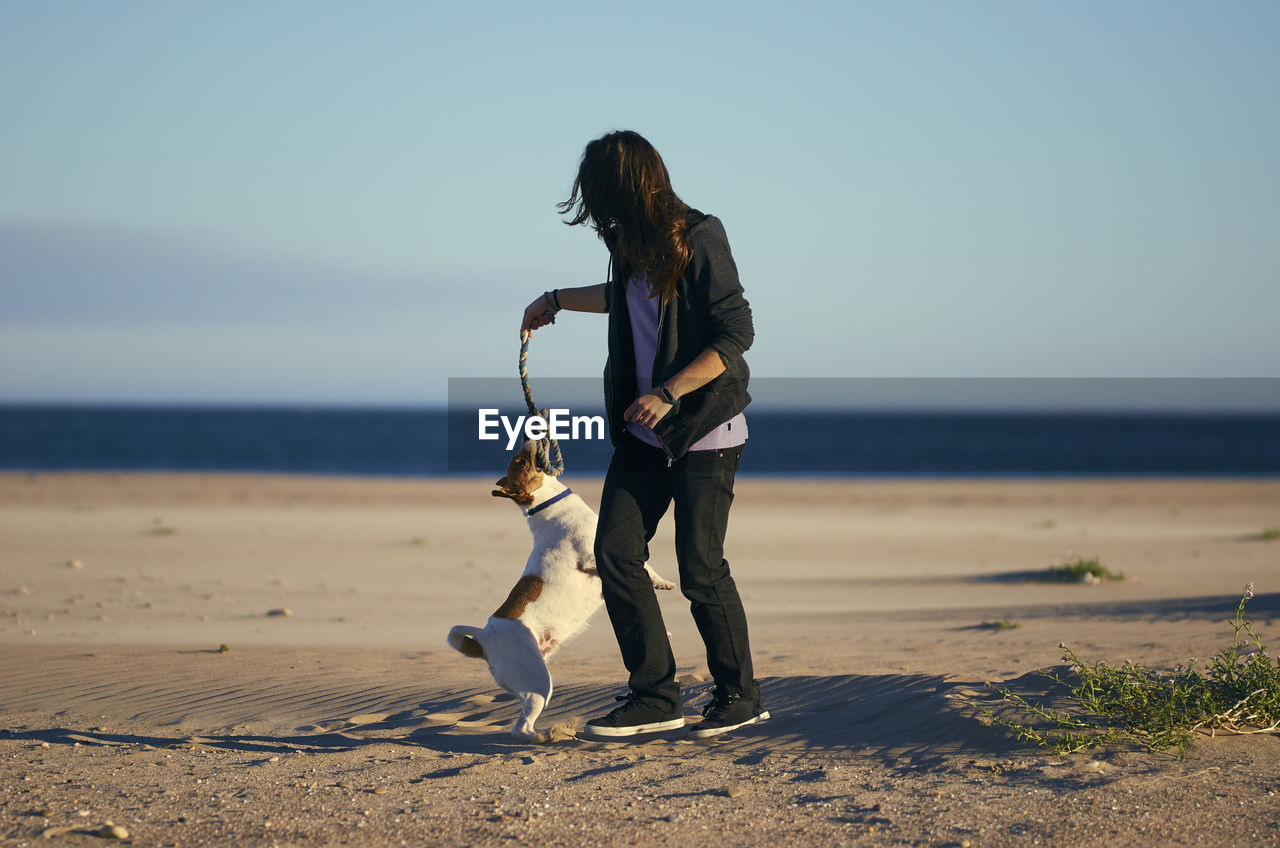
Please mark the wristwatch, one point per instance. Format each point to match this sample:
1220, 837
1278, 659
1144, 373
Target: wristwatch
667, 397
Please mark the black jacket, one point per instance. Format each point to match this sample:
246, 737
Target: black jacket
708, 311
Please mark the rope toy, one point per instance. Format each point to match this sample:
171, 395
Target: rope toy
546, 452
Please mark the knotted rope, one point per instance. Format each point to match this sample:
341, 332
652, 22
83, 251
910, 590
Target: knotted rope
546, 452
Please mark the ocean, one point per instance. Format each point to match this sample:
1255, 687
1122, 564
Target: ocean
433, 442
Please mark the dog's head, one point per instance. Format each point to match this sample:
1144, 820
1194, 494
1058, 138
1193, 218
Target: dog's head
523, 477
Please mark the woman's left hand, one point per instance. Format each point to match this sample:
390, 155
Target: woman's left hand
647, 410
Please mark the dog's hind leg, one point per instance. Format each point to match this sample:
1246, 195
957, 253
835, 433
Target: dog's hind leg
520, 669
532, 702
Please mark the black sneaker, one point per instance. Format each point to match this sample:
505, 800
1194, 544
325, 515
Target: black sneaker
728, 712
633, 717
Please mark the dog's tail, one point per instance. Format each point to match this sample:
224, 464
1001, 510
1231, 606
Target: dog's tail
462, 639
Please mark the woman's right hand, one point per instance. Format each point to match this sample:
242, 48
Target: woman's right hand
538, 314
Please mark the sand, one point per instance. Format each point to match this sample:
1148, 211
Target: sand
337, 714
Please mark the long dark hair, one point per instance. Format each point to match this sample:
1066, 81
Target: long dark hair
624, 190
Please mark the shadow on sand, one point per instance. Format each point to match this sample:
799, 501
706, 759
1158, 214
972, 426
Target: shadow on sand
1263, 607
903, 720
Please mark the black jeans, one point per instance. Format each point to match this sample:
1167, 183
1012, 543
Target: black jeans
638, 489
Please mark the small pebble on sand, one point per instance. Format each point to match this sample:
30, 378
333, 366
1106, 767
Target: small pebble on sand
113, 831
737, 790
74, 563
283, 612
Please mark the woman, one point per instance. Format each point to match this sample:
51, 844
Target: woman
675, 389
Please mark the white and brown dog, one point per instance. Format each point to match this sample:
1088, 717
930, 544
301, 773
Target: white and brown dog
554, 598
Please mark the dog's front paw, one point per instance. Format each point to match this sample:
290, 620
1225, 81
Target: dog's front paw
659, 582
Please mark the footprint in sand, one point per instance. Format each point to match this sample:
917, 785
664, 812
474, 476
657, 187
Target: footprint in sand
368, 718
445, 718
463, 721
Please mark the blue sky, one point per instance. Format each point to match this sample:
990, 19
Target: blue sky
351, 203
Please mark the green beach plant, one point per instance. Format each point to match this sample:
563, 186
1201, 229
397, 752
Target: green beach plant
1078, 570
159, 528
1236, 692
1271, 534
999, 625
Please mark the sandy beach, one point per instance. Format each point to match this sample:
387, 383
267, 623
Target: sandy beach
338, 715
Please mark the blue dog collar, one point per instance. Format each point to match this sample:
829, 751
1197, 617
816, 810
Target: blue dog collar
566, 493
